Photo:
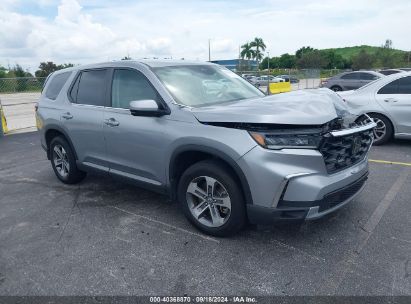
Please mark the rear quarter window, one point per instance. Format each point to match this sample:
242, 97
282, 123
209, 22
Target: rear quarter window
56, 84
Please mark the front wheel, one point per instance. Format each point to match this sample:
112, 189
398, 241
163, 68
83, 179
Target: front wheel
211, 199
383, 132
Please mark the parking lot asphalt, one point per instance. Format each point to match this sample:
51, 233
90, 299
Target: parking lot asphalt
106, 238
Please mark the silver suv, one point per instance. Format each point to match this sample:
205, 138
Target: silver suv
207, 138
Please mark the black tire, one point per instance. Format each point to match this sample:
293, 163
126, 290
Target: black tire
336, 88
221, 173
74, 175
378, 118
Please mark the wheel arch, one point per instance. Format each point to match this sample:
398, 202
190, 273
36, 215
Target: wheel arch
52, 131
185, 156
337, 86
394, 127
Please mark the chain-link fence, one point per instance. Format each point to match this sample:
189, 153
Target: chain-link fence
299, 79
22, 84
17, 99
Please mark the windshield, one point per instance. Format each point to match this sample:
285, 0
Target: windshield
204, 85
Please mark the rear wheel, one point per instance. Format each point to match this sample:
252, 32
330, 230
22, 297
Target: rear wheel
384, 130
211, 199
336, 88
63, 161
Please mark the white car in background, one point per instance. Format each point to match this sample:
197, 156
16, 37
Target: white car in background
386, 100
262, 81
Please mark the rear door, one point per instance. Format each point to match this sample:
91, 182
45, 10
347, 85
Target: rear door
83, 117
365, 78
135, 144
395, 98
350, 81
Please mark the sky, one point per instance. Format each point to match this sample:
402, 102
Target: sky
87, 31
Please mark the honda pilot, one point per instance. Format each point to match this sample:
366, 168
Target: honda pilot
204, 136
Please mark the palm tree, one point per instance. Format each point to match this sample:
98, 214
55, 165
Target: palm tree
247, 52
260, 46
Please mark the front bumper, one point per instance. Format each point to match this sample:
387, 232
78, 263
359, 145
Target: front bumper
293, 184
308, 210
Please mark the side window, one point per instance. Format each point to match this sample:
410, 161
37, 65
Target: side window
350, 76
56, 84
129, 85
367, 76
404, 86
91, 88
74, 89
391, 88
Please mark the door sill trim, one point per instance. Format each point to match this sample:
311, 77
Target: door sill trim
135, 177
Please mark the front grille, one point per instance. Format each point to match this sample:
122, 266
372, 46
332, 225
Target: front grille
335, 198
344, 151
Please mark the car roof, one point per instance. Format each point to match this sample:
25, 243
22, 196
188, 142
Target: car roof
384, 80
365, 71
392, 70
356, 72
152, 63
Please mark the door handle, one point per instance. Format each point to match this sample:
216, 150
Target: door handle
390, 99
111, 122
67, 115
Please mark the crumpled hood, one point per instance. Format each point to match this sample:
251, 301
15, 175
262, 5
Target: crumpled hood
303, 107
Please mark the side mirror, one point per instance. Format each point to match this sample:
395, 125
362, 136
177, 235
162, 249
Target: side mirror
147, 107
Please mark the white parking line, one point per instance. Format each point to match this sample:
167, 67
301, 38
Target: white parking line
346, 266
385, 203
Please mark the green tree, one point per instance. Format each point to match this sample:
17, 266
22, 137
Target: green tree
312, 60
3, 73
287, 61
304, 50
46, 68
247, 52
333, 60
363, 60
259, 45
17, 71
385, 56
64, 66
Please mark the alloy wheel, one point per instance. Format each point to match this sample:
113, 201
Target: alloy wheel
208, 201
380, 130
60, 160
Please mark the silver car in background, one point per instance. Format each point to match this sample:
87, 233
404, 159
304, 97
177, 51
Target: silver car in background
262, 81
388, 102
350, 80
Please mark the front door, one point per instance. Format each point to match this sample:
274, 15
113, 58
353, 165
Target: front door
395, 98
135, 144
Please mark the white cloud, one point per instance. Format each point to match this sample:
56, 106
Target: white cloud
90, 30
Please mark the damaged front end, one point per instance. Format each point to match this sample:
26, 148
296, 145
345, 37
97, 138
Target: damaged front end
343, 141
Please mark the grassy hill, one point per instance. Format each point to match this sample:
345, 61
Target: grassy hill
349, 52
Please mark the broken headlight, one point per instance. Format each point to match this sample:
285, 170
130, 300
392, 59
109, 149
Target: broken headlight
287, 140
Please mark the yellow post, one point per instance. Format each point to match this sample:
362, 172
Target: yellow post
3, 125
